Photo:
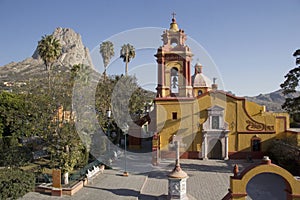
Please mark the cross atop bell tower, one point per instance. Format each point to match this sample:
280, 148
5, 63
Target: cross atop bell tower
173, 58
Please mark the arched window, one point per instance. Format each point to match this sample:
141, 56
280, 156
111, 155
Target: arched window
199, 92
174, 42
255, 144
174, 80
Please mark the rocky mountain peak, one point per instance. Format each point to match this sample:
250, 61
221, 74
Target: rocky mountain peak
73, 50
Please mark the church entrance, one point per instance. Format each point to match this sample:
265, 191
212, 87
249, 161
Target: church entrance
216, 149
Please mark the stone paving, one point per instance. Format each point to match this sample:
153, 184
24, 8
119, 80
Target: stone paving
207, 180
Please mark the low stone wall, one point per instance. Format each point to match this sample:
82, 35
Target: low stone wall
44, 189
91, 174
71, 191
48, 189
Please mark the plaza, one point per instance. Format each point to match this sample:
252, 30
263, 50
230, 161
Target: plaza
207, 180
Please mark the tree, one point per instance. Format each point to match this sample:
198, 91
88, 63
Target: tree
49, 50
285, 153
81, 72
127, 53
289, 86
82, 99
67, 150
15, 118
107, 52
22, 117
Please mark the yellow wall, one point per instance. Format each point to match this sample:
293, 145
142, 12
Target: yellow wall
245, 120
183, 126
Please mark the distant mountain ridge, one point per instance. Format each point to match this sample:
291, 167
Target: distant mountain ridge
273, 100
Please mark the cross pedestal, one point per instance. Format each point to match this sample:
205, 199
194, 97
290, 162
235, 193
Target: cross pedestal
177, 188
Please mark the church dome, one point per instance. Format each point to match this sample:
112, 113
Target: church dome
199, 79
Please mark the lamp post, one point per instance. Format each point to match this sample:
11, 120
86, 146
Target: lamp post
108, 115
125, 145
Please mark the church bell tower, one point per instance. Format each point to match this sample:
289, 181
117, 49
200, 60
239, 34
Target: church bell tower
174, 58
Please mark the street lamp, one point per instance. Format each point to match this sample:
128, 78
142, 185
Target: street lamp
125, 129
108, 115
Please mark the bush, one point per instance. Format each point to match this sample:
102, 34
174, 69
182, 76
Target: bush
15, 183
285, 153
15, 156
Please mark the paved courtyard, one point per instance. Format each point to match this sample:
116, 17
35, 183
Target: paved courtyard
207, 180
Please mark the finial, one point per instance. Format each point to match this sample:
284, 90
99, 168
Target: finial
173, 25
235, 170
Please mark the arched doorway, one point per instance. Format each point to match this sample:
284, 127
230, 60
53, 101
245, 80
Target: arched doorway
215, 147
252, 182
266, 186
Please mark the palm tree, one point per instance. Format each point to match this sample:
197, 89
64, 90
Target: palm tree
49, 50
127, 53
82, 72
107, 52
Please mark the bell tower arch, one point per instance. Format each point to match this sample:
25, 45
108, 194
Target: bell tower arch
173, 59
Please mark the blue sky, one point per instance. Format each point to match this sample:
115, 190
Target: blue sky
250, 43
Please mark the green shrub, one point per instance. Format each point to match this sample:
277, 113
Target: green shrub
15, 183
285, 154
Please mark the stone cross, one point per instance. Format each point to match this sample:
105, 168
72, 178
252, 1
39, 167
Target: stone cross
177, 178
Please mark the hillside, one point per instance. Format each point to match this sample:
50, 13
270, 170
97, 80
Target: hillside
272, 101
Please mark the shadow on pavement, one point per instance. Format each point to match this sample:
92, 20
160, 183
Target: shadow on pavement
128, 193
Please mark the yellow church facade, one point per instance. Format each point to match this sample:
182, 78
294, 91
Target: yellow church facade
209, 123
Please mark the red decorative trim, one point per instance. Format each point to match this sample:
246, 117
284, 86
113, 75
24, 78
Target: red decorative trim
244, 155
184, 155
190, 155
221, 92
294, 195
238, 195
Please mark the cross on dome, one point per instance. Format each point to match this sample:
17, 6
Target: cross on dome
173, 25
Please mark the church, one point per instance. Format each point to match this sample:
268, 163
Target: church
209, 123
